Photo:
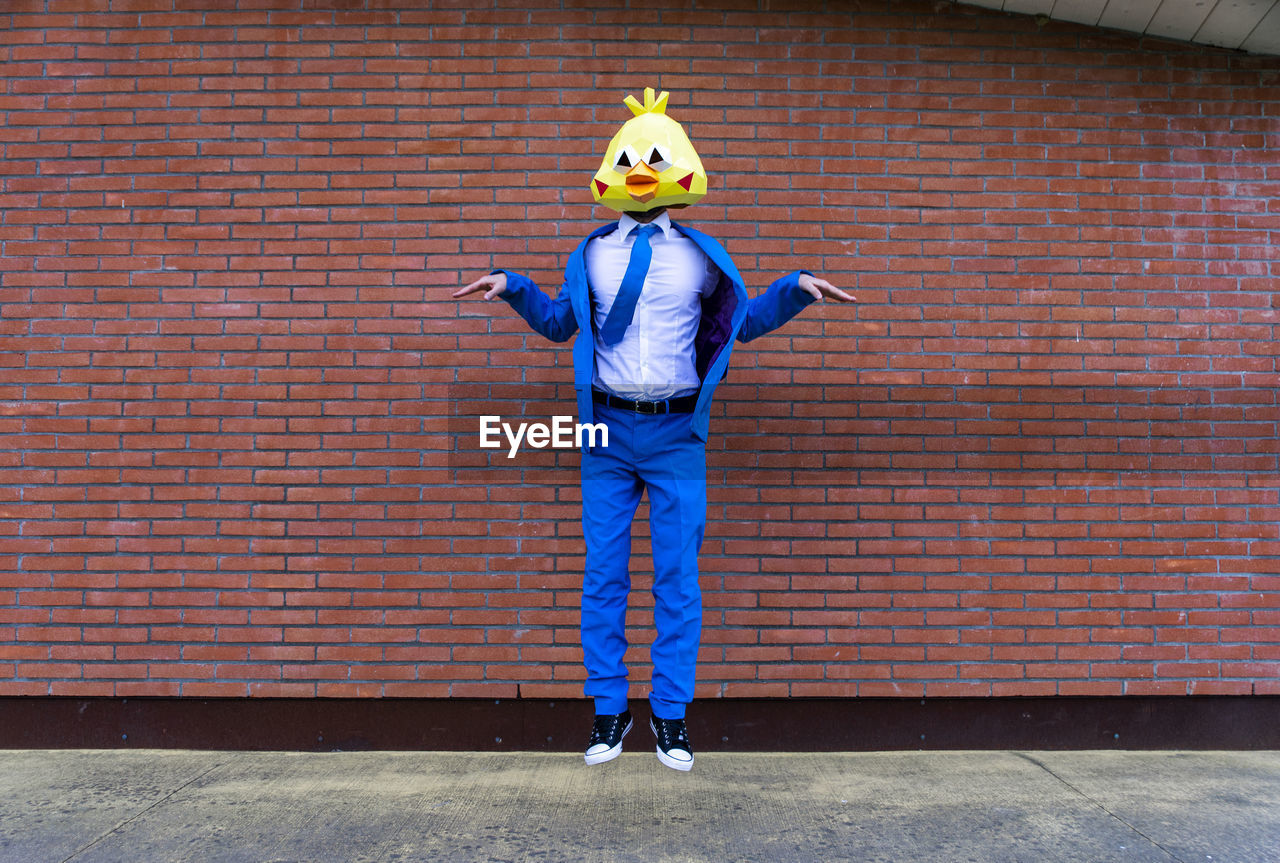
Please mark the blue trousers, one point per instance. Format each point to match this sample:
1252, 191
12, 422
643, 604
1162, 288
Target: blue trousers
660, 453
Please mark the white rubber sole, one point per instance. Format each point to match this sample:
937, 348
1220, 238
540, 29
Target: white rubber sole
610, 754
673, 763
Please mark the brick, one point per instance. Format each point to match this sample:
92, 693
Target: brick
1033, 459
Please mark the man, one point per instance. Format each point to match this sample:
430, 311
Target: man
662, 304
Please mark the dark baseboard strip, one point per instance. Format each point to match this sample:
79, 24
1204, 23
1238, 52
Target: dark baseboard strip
742, 725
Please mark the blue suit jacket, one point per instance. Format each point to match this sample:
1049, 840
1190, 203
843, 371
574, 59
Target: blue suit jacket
727, 314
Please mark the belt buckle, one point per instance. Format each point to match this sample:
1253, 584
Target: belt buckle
650, 407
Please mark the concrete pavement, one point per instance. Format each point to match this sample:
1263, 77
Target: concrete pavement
155, 806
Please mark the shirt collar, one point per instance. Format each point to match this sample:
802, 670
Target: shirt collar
626, 224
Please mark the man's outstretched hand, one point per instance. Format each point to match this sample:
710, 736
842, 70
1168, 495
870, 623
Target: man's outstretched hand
492, 284
820, 288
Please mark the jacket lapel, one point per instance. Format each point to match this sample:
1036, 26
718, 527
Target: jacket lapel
580, 284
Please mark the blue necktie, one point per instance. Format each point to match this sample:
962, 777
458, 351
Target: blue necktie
624, 305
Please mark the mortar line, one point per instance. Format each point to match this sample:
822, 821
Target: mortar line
143, 811
1045, 768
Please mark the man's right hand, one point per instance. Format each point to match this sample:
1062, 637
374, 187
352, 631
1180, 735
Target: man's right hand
492, 284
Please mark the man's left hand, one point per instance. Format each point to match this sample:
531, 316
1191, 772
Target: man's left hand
820, 288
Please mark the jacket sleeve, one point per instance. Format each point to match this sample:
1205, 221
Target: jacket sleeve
780, 303
552, 318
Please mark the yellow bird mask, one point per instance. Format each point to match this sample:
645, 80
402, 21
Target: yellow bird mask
650, 162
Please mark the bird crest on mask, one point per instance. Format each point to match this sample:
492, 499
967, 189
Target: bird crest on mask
650, 162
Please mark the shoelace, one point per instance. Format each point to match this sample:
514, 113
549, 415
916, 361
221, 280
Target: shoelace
673, 735
604, 728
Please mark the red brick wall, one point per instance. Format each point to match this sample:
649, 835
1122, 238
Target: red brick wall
1039, 456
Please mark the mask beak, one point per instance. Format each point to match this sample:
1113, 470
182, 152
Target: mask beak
642, 183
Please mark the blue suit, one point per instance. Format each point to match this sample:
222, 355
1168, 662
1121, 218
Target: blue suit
664, 453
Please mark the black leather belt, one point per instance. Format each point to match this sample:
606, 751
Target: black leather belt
681, 405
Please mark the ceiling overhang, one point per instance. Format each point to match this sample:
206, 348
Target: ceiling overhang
1245, 25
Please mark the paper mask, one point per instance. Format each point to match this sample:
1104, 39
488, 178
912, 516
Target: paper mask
650, 162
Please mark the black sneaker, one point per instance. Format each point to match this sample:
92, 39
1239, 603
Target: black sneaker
606, 737
674, 748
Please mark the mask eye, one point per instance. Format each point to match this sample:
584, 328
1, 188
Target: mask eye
625, 160
658, 158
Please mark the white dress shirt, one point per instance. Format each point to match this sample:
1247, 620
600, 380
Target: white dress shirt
654, 359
